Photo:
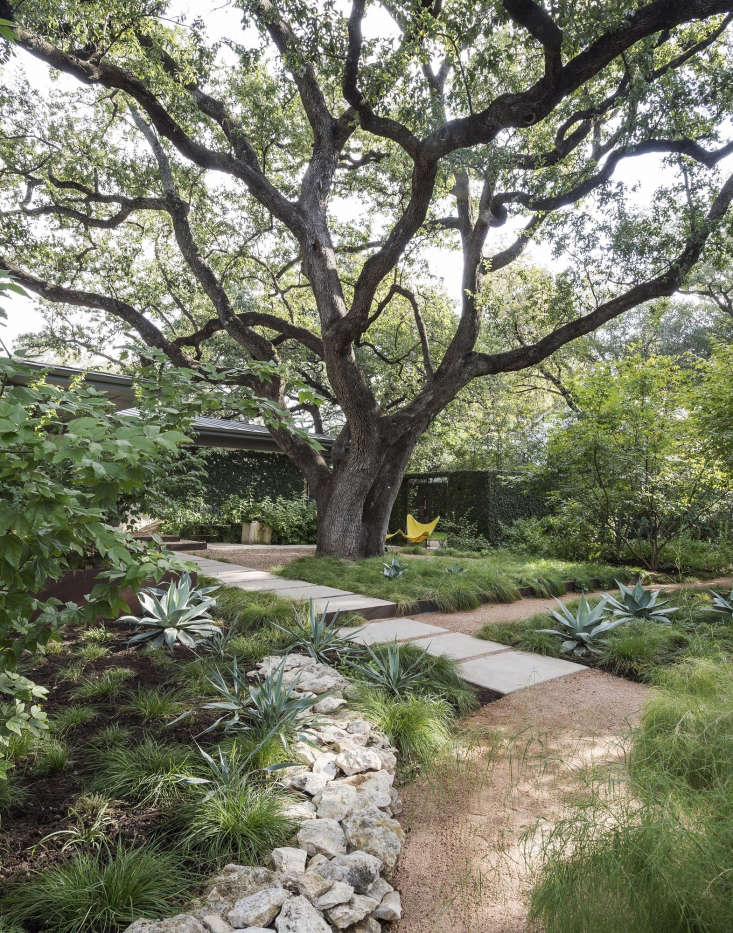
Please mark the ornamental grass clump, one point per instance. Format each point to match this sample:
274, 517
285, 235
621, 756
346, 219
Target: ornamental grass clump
418, 726
148, 773
655, 856
100, 892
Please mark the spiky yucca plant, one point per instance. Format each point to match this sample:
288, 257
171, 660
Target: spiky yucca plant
723, 605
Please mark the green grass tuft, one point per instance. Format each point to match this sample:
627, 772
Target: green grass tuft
154, 703
52, 756
494, 577
418, 726
105, 686
71, 717
658, 860
239, 822
100, 893
147, 773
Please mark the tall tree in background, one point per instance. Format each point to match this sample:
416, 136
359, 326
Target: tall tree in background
274, 199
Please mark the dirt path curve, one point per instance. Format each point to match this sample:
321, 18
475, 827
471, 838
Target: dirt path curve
470, 622
464, 864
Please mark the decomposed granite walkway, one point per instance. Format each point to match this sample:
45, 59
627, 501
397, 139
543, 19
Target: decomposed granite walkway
485, 664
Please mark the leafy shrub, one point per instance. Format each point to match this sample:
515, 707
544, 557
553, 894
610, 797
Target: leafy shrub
418, 726
463, 535
100, 892
177, 615
149, 773
293, 520
81, 498
238, 822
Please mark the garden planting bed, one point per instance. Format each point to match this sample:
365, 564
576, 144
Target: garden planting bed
331, 875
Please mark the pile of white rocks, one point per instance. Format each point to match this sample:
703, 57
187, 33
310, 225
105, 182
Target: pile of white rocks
331, 877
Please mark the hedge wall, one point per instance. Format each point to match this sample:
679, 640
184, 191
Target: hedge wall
480, 496
249, 473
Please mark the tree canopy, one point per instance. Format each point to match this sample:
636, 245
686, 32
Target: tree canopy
279, 195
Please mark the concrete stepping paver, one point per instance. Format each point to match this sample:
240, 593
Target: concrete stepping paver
486, 664
324, 597
510, 670
458, 646
391, 630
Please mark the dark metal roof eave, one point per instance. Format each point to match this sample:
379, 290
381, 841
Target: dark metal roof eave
235, 435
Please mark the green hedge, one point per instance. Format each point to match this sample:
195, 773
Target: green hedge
249, 473
486, 499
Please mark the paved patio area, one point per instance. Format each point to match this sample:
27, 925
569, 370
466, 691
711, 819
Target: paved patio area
485, 664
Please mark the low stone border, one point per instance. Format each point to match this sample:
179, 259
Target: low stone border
348, 837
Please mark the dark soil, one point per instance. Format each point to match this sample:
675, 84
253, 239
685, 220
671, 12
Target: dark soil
45, 809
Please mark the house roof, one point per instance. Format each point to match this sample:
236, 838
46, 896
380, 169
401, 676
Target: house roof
210, 432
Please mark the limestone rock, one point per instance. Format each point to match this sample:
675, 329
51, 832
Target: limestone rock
359, 727
369, 925
345, 915
181, 923
329, 705
324, 836
232, 884
300, 810
216, 924
390, 907
336, 801
379, 889
289, 860
374, 786
359, 869
298, 915
370, 830
315, 863
293, 776
395, 804
325, 764
315, 782
258, 909
353, 759
312, 885
339, 893
387, 759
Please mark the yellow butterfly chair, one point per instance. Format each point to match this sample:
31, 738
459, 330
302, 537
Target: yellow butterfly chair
416, 532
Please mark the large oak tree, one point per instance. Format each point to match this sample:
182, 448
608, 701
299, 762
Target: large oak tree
274, 198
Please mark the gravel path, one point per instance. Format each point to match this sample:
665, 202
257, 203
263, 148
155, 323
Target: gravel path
464, 866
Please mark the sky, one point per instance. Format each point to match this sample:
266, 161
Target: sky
24, 314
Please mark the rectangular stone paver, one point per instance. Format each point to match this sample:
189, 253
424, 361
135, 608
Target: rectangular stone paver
514, 670
300, 590
392, 630
458, 646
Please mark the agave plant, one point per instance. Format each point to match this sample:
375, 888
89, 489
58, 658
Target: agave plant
579, 630
638, 603
389, 670
179, 613
722, 604
394, 569
270, 708
454, 569
317, 636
